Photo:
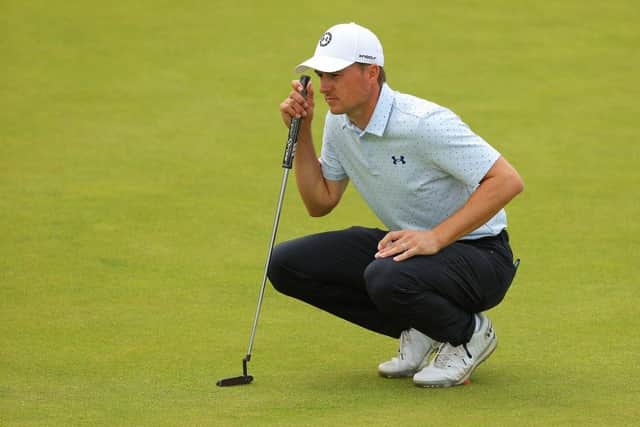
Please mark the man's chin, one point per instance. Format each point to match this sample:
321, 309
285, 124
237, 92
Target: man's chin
335, 109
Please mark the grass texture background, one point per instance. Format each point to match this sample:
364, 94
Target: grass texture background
140, 151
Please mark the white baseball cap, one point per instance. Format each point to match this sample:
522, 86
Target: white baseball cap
341, 46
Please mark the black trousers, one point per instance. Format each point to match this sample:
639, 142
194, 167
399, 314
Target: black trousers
436, 294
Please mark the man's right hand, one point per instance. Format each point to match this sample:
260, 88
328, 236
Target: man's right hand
296, 105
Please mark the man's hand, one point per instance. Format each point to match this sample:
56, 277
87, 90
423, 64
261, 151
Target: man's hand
296, 105
405, 244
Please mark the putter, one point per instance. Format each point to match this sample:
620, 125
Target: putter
287, 164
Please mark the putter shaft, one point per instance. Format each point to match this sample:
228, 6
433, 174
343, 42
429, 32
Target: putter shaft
287, 164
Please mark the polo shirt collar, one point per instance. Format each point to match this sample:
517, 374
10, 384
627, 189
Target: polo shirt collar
380, 117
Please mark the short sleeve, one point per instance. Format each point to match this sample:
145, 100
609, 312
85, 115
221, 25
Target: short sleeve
329, 159
455, 148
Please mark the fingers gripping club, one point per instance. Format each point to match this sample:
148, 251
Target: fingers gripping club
290, 149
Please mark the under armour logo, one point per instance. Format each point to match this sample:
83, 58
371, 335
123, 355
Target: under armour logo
399, 159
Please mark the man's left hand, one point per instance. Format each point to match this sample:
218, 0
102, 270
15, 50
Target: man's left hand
405, 244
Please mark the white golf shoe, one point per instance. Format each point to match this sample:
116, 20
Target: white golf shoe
413, 355
453, 365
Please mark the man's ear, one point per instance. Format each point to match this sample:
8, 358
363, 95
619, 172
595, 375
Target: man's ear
374, 71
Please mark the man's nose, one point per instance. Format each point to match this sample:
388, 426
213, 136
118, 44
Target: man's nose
325, 85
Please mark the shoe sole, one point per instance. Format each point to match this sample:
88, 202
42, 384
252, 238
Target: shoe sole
484, 356
405, 374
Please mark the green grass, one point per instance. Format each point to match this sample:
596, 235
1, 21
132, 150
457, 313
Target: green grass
140, 150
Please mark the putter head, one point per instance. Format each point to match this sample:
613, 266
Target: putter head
243, 379
240, 380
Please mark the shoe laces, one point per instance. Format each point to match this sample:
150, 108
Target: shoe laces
449, 356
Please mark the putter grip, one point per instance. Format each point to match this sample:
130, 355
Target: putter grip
292, 139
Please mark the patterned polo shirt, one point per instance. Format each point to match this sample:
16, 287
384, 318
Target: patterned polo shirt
415, 164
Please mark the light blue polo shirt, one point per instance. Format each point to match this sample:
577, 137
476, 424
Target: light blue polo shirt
415, 164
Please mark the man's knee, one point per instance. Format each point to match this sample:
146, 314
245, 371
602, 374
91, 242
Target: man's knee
278, 273
384, 281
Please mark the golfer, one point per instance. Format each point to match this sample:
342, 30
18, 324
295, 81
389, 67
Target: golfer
438, 188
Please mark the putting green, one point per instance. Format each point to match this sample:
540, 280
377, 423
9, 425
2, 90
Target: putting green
140, 152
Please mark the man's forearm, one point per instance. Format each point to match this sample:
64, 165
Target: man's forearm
500, 185
311, 183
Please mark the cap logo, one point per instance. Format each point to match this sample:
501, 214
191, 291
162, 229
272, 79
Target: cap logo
325, 39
